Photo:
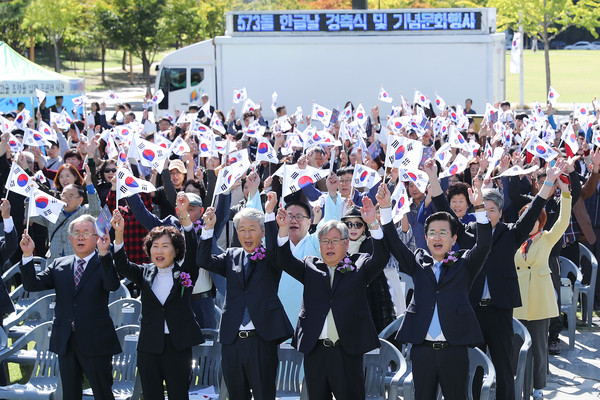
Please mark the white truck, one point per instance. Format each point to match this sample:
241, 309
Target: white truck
336, 56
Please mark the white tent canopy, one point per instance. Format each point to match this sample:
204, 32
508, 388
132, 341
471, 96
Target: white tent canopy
19, 77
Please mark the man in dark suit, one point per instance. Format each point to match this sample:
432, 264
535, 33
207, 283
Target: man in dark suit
83, 334
8, 245
495, 291
253, 321
335, 328
58, 107
439, 321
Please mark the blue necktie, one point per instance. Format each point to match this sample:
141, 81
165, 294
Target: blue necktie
246, 317
435, 328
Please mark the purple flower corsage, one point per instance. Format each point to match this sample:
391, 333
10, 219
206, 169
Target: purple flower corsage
259, 253
450, 258
346, 266
184, 279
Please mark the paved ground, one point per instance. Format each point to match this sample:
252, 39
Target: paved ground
575, 374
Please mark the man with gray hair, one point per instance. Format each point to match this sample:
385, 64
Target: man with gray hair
83, 334
495, 291
254, 322
335, 328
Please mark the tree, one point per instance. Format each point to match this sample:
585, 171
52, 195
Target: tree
181, 23
546, 19
100, 18
134, 25
11, 32
56, 19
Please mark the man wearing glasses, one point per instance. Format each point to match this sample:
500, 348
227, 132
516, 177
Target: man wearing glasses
440, 322
335, 327
302, 243
83, 334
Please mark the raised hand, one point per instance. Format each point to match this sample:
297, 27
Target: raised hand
570, 164
182, 203
271, 202
367, 211
5, 209
252, 182
283, 221
430, 168
27, 245
475, 193
383, 196
564, 187
117, 222
210, 219
87, 176
103, 244
553, 173
333, 182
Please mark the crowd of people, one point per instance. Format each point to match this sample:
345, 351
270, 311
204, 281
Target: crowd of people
314, 236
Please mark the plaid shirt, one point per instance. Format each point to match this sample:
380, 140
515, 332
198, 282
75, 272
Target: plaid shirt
134, 232
573, 232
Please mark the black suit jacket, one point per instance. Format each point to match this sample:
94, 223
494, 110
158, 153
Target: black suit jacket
451, 292
347, 298
177, 310
258, 292
499, 268
87, 305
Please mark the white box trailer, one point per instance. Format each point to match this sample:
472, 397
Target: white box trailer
334, 56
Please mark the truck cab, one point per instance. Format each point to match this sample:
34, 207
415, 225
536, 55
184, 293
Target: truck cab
184, 78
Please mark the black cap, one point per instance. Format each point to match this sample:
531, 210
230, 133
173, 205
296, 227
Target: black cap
353, 212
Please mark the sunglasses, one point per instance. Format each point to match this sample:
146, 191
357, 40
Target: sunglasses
357, 225
109, 170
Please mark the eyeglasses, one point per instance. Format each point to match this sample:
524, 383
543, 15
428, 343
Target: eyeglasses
441, 234
86, 235
345, 180
357, 225
109, 170
327, 242
69, 196
298, 217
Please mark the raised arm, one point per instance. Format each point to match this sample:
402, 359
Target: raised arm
33, 282
11, 241
377, 261
564, 216
122, 265
284, 257
527, 221
478, 254
406, 259
204, 258
191, 242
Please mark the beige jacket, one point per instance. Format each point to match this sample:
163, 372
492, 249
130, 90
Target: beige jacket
537, 293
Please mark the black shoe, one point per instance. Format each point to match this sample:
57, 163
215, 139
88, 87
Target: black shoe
554, 346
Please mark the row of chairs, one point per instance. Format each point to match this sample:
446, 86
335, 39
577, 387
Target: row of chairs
384, 369
522, 356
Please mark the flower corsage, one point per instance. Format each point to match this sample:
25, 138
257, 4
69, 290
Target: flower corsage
259, 253
346, 266
450, 258
184, 279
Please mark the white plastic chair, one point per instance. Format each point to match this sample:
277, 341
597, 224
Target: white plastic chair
569, 305
588, 291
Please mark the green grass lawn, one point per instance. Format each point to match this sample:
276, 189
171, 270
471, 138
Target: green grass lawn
574, 74
91, 69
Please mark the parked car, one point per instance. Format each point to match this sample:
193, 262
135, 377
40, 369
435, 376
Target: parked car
596, 44
583, 45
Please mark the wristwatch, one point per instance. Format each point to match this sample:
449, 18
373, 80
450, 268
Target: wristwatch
479, 207
373, 225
